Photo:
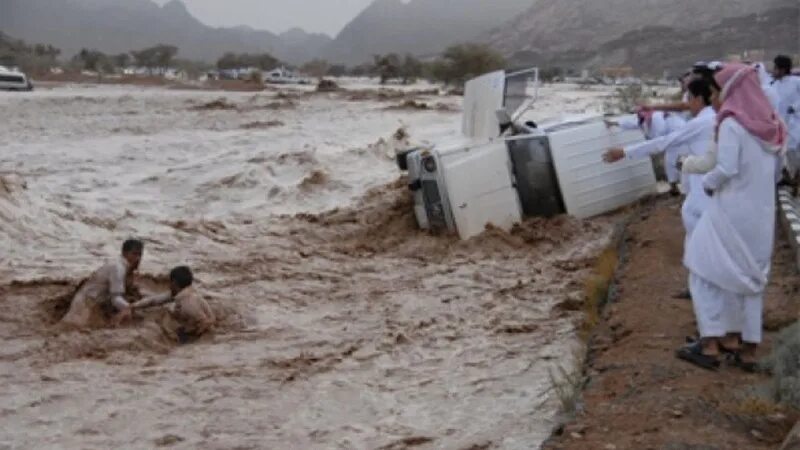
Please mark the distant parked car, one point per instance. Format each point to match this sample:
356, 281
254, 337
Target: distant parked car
283, 76
14, 80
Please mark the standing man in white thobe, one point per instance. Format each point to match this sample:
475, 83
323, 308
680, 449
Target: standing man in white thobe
656, 124
787, 90
730, 250
702, 70
696, 136
766, 80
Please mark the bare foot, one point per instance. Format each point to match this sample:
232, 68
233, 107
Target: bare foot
748, 354
731, 342
710, 346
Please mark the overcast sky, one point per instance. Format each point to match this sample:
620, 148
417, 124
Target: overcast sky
327, 16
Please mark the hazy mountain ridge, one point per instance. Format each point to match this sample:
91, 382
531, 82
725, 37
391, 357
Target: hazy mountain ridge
650, 35
421, 27
116, 26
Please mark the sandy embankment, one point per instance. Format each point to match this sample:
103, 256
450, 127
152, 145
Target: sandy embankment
640, 396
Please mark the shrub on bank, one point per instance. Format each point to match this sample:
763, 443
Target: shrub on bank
784, 364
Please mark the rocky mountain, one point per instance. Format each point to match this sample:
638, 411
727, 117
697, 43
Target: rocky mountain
654, 49
421, 27
300, 46
651, 35
116, 26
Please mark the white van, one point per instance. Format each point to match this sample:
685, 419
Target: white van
13, 80
502, 169
283, 76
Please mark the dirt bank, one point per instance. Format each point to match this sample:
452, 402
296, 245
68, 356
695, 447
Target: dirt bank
639, 396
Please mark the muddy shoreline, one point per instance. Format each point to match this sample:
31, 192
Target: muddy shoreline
636, 394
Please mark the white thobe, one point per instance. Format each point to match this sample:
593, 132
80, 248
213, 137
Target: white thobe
766, 84
763, 75
787, 90
772, 96
661, 124
694, 138
673, 122
687, 116
730, 250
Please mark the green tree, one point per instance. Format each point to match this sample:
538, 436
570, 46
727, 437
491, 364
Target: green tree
31, 58
122, 60
464, 61
387, 67
157, 57
228, 61
94, 61
192, 68
264, 61
411, 70
164, 54
144, 58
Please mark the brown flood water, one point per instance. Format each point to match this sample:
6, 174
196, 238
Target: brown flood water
343, 326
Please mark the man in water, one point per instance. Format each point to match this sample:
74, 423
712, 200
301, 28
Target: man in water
190, 315
104, 290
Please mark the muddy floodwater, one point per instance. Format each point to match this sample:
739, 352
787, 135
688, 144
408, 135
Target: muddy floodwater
342, 325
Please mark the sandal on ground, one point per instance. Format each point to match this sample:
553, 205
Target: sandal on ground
735, 360
683, 295
693, 353
722, 348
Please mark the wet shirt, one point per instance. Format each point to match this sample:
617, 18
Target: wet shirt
107, 283
190, 310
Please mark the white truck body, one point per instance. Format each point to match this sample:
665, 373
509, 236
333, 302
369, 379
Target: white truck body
14, 80
487, 177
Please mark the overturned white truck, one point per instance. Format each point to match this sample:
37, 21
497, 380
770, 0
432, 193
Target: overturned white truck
503, 167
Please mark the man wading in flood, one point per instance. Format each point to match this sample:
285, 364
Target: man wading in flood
104, 290
190, 316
